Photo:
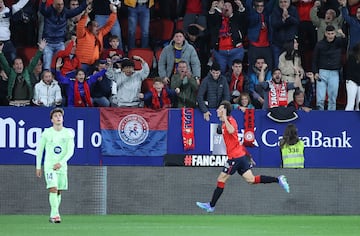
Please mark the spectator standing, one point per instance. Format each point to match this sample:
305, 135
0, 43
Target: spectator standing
55, 22
90, 38
307, 31
178, 50
353, 22
187, 86
5, 32
47, 92
199, 40
284, 23
72, 22
102, 14
259, 31
212, 91
195, 12
353, 79
290, 64
159, 96
322, 23
20, 88
326, 66
138, 12
128, 82
227, 32
24, 25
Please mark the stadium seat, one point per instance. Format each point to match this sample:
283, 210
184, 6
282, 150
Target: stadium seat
179, 25
146, 85
146, 53
157, 54
26, 53
125, 32
161, 31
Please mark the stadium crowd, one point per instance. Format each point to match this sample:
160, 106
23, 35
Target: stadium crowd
180, 53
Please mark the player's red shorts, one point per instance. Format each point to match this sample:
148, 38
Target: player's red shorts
240, 164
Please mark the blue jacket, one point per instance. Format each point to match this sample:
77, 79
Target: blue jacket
54, 24
354, 25
254, 20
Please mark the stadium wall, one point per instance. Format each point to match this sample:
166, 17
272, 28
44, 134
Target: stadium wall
174, 190
330, 138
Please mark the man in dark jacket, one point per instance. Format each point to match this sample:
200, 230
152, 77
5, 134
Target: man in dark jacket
326, 65
55, 21
213, 90
227, 31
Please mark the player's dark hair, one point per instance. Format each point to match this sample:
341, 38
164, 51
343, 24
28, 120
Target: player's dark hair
55, 110
227, 106
290, 136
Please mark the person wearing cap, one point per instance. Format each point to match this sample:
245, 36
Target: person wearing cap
326, 66
329, 19
212, 91
128, 82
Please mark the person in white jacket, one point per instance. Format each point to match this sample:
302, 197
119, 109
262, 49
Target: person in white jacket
128, 82
47, 92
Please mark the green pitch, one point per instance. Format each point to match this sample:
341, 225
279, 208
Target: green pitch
184, 225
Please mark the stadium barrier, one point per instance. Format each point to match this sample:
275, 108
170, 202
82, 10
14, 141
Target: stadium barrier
174, 190
330, 138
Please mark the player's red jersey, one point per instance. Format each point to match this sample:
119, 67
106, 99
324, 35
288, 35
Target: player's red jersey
234, 148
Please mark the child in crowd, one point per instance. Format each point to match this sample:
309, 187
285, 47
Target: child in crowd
242, 102
159, 96
292, 148
114, 48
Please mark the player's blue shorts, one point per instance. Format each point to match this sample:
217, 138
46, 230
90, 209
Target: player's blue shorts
56, 179
240, 164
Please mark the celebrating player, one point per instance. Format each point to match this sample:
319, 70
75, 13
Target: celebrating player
239, 159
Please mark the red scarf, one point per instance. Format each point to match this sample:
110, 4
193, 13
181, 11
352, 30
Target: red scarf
249, 127
237, 83
156, 101
278, 95
188, 128
78, 101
